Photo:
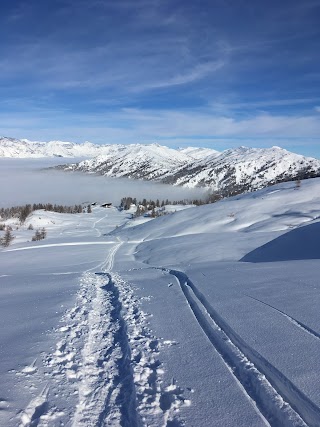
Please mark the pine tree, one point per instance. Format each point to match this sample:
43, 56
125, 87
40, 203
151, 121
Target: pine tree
7, 238
43, 233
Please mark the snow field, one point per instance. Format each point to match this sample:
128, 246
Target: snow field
161, 324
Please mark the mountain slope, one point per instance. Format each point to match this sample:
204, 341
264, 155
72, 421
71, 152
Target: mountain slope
136, 161
243, 168
230, 172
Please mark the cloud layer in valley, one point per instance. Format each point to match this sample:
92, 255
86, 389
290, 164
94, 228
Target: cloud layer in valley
28, 182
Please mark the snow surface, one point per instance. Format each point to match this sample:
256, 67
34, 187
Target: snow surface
205, 317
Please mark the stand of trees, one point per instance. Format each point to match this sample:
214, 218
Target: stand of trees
39, 235
152, 205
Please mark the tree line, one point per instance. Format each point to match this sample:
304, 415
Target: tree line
126, 202
22, 212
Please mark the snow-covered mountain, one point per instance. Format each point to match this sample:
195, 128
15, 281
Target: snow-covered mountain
243, 168
11, 147
23, 148
229, 172
150, 162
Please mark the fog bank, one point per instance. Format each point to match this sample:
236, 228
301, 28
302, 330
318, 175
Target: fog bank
24, 181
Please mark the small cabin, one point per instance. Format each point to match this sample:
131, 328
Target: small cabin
106, 205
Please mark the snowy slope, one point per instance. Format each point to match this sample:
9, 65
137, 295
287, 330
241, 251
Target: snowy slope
206, 317
244, 220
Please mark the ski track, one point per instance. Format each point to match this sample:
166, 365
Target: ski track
52, 245
279, 401
296, 322
97, 222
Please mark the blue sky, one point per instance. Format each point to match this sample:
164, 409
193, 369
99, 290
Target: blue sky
218, 73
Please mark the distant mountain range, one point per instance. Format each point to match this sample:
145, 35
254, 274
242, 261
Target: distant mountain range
229, 172
23, 148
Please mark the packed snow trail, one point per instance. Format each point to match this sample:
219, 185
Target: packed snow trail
276, 397
105, 387
101, 371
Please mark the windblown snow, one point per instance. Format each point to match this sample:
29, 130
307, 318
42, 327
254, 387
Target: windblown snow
205, 317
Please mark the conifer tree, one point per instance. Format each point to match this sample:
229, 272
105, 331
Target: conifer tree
7, 238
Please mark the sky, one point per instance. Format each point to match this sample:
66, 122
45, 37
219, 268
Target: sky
212, 73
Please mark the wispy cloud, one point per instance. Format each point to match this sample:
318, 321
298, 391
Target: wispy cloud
197, 73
